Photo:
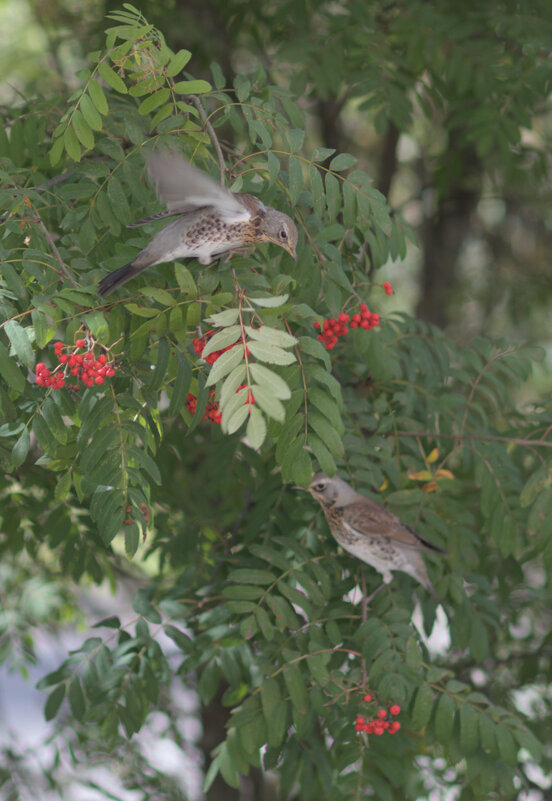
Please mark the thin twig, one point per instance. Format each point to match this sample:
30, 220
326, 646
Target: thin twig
50, 239
211, 131
496, 438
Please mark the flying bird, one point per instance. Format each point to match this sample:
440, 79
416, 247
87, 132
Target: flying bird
211, 221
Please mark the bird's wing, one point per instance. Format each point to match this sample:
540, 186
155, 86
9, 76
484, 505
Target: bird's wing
369, 518
185, 188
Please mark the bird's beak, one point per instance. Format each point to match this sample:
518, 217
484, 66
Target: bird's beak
292, 253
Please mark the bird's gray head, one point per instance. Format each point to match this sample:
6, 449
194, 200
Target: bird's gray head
332, 491
280, 229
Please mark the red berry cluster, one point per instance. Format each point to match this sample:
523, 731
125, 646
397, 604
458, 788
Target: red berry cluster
388, 288
200, 342
212, 412
334, 328
211, 409
86, 367
379, 724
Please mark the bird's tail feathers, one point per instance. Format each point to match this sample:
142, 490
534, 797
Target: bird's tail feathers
117, 278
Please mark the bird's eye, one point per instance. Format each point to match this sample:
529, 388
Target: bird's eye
283, 235
319, 487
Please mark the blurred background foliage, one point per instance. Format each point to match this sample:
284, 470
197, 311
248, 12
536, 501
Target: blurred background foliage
447, 106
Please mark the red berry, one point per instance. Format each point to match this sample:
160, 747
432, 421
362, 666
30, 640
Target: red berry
395, 726
360, 719
110, 372
102, 358
395, 709
343, 318
89, 356
374, 319
62, 358
378, 730
316, 324
367, 698
80, 343
40, 367
388, 288
382, 713
365, 324
58, 347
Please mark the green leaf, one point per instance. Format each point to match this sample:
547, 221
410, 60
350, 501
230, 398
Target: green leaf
268, 403
10, 372
444, 718
111, 78
272, 336
83, 130
322, 455
296, 688
326, 432
71, 143
327, 405
270, 353
192, 87
231, 384
163, 355
423, 704
256, 428
180, 386
54, 420
63, 486
185, 280
342, 162
507, 747
21, 448
146, 462
76, 698
269, 302
20, 342
54, 701
90, 113
153, 101
177, 63
222, 339
301, 470
413, 654
270, 381
97, 96
223, 318
252, 576
469, 729
226, 362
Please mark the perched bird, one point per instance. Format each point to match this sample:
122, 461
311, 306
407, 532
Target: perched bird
372, 533
211, 221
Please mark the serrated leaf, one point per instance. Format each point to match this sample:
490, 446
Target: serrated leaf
296, 688
76, 698
20, 342
10, 372
21, 448
256, 428
423, 705
469, 729
342, 162
111, 78
192, 87
177, 63
272, 336
269, 302
444, 718
222, 339
268, 403
270, 380
98, 97
185, 279
224, 364
54, 701
270, 353
248, 575
223, 318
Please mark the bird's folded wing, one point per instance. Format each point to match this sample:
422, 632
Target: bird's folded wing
184, 188
369, 518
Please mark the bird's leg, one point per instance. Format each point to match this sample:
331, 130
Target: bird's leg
367, 598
